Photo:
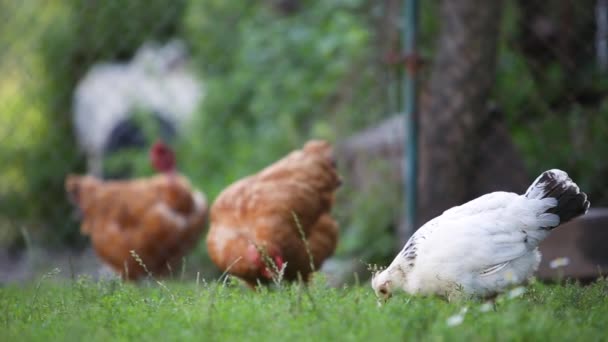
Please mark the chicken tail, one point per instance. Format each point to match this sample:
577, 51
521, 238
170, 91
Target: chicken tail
571, 202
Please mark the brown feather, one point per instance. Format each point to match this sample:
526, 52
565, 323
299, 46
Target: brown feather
259, 209
157, 217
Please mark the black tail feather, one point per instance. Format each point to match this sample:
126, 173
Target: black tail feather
571, 202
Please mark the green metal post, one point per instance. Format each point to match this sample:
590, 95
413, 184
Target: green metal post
410, 32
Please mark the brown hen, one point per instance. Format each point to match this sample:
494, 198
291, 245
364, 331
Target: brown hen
159, 218
262, 212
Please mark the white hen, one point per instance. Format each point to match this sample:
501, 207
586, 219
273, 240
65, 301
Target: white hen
483, 246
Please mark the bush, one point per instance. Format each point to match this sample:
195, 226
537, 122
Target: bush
273, 81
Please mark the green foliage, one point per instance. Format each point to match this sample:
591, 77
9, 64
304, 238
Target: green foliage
557, 112
83, 309
35, 130
115, 29
135, 162
273, 81
558, 115
370, 234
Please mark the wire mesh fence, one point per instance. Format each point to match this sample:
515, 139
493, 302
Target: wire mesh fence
509, 90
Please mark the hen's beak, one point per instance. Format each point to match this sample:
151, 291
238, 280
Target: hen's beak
384, 300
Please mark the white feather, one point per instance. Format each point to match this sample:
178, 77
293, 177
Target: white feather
478, 248
110, 92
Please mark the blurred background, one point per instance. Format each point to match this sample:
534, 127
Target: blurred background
506, 91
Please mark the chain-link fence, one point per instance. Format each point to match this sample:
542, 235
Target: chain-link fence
509, 89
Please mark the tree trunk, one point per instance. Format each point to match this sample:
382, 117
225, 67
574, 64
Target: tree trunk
451, 124
466, 148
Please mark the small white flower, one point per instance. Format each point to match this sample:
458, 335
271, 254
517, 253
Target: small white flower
485, 307
559, 262
457, 319
517, 292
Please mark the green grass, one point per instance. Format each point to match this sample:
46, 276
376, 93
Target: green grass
86, 310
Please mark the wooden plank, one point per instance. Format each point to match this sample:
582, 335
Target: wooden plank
583, 242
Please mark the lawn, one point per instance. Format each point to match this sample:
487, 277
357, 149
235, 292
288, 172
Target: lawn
52, 309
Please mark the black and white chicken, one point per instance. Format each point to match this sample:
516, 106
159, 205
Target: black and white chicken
486, 245
156, 83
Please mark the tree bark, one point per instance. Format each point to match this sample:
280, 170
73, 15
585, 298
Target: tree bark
466, 149
451, 124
